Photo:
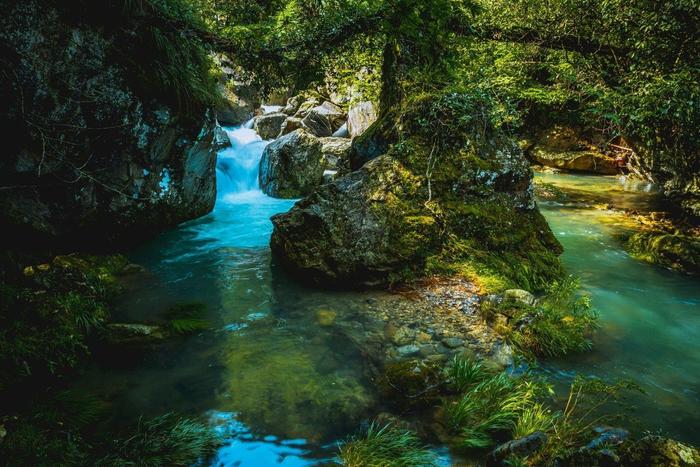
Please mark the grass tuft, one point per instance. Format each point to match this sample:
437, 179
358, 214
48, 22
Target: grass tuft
386, 446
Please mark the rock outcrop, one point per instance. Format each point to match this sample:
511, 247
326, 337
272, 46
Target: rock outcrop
356, 230
324, 120
360, 117
412, 210
336, 151
91, 160
239, 98
292, 166
562, 148
268, 126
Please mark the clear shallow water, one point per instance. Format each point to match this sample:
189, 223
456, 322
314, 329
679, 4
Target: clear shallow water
284, 387
650, 316
281, 385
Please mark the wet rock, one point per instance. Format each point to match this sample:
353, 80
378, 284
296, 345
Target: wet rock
348, 231
292, 166
562, 148
147, 168
289, 125
306, 107
268, 126
131, 333
608, 436
335, 151
293, 104
519, 295
453, 342
326, 318
403, 336
408, 350
360, 118
411, 383
520, 447
342, 132
238, 98
656, 451
675, 251
220, 140
324, 120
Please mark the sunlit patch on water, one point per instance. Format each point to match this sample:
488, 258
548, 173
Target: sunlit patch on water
243, 448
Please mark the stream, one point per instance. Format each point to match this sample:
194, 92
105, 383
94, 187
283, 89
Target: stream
283, 386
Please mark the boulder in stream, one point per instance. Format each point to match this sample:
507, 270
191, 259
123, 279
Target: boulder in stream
324, 120
382, 223
356, 230
292, 166
268, 126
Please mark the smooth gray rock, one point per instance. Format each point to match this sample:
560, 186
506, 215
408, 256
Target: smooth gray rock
289, 125
292, 166
268, 126
360, 117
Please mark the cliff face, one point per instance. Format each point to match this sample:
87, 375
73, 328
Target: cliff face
89, 162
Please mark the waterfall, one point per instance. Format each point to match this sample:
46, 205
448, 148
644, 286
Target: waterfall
237, 167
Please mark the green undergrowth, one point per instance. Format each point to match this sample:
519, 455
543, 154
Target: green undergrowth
385, 446
560, 323
48, 314
63, 429
495, 406
483, 406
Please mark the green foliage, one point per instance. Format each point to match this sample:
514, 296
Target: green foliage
559, 324
386, 446
488, 406
162, 441
537, 417
495, 405
188, 318
48, 315
591, 403
464, 373
60, 431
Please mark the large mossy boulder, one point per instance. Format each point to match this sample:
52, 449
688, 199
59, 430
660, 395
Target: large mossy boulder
444, 199
292, 166
358, 229
563, 148
94, 158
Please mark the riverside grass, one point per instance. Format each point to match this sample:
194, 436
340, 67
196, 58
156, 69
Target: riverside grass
385, 446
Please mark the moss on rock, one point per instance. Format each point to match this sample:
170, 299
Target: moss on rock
676, 251
449, 193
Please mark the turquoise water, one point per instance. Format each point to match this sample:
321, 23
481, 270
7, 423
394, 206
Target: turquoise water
283, 387
650, 316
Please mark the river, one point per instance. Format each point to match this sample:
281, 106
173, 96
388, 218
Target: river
284, 388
